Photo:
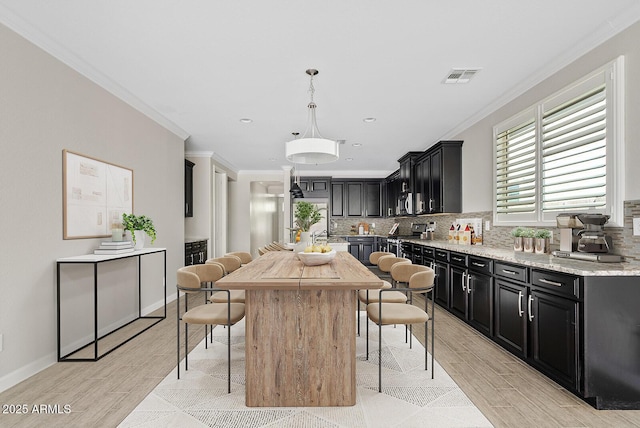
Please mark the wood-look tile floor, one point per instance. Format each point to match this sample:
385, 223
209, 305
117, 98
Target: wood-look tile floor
101, 394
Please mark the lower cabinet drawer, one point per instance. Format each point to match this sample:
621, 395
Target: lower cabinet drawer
556, 282
512, 272
442, 256
480, 264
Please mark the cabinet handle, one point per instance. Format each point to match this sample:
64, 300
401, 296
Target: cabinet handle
530, 308
191, 258
478, 264
510, 272
457, 259
520, 311
546, 281
468, 283
430, 205
464, 279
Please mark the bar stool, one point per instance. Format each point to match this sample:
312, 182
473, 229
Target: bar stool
366, 296
401, 313
229, 263
244, 256
190, 280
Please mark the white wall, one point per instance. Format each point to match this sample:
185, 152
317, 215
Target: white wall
46, 107
239, 207
478, 139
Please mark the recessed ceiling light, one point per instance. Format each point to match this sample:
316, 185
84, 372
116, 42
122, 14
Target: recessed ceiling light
369, 119
348, 159
246, 120
357, 144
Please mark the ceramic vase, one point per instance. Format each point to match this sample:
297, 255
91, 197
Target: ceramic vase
141, 237
517, 243
528, 245
542, 245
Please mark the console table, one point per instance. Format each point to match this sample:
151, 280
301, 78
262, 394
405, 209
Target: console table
96, 260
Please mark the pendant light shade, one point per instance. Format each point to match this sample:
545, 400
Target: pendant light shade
312, 148
296, 191
312, 151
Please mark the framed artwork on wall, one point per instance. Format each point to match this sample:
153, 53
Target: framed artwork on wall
95, 195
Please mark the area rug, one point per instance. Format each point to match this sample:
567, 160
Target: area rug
410, 398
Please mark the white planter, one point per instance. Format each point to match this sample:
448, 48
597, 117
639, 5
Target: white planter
141, 237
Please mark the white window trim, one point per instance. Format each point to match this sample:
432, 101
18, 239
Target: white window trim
613, 73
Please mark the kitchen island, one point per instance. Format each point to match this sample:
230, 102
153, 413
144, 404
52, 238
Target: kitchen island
300, 329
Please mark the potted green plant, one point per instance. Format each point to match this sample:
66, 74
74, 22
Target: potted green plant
306, 215
139, 227
542, 241
528, 240
516, 233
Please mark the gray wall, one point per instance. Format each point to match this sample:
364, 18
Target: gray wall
478, 139
46, 107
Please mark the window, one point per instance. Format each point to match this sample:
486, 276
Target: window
563, 154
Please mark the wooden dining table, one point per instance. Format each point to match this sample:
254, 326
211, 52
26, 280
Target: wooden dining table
300, 328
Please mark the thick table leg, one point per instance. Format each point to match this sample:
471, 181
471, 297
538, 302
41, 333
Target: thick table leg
300, 348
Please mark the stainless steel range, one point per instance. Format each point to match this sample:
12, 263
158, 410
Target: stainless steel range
394, 242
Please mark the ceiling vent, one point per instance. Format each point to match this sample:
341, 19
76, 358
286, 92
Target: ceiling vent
460, 75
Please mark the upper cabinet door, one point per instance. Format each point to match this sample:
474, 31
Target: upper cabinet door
372, 199
354, 198
188, 188
337, 198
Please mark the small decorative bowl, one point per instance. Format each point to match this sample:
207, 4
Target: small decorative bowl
315, 259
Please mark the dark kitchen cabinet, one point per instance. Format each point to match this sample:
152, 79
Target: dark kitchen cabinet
458, 288
471, 288
407, 163
441, 281
195, 252
372, 199
511, 321
356, 198
438, 179
554, 345
392, 193
314, 187
188, 188
480, 295
337, 198
361, 247
580, 331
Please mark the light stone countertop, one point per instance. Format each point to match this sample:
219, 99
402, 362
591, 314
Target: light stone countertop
543, 261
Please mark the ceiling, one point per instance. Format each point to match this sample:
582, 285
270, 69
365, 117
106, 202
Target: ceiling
199, 66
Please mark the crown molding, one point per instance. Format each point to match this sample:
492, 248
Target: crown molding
53, 48
595, 39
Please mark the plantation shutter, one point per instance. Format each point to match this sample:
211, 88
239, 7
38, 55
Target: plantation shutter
574, 154
516, 169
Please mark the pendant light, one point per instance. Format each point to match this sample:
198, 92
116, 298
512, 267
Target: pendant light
311, 148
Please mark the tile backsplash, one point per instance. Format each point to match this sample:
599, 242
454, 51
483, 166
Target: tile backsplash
624, 242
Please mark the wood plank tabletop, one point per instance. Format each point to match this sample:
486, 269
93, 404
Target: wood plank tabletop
282, 270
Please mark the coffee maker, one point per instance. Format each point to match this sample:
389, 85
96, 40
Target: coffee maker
582, 237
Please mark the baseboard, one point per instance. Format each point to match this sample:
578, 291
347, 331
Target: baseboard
25, 372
